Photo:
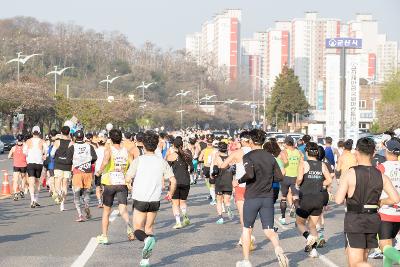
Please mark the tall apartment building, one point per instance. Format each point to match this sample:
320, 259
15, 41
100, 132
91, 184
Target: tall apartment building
307, 53
220, 43
251, 61
193, 45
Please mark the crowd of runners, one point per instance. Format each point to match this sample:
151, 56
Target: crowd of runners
250, 170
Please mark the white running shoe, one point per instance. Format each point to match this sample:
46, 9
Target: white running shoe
243, 263
62, 208
376, 254
310, 242
313, 253
282, 259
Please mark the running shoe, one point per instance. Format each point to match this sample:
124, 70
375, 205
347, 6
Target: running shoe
80, 219
186, 221
220, 221
129, 232
213, 203
88, 215
177, 226
313, 253
36, 204
310, 242
321, 242
102, 239
252, 243
149, 244
292, 212
283, 261
376, 254
239, 244
282, 221
230, 214
243, 263
21, 194
33, 205
276, 229
144, 263
62, 208
16, 197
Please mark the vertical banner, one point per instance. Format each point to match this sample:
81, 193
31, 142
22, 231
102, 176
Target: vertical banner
352, 96
333, 96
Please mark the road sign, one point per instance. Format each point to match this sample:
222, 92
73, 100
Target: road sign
353, 43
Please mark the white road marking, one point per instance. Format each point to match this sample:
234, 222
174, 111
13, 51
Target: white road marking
327, 261
91, 246
86, 254
113, 215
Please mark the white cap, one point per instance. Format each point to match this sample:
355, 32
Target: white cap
36, 129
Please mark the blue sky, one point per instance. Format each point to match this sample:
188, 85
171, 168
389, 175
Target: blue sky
166, 22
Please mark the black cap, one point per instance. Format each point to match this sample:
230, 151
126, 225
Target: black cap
306, 138
289, 140
222, 147
79, 135
20, 138
393, 146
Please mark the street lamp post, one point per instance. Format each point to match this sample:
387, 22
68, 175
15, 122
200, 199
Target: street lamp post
57, 72
108, 81
21, 59
207, 97
182, 94
145, 86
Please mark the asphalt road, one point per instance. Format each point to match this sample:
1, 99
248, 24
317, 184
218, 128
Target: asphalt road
47, 237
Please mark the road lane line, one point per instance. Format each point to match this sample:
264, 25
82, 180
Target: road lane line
86, 254
327, 261
113, 215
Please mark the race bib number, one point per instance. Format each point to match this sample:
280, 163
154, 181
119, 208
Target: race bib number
117, 178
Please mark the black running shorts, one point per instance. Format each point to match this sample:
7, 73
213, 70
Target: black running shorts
34, 170
20, 169
310, 205
112, 191
289, 182
181, 192
221, 192
259, 206
388, 230
142, 206
206, 172
361, 240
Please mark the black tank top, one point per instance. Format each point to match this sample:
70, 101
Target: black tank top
181, 172
224, 179
312, 180
369, 185
60, 157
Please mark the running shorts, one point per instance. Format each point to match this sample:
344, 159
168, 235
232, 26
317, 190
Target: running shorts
20, 169
82, 180
310, 205
388, 230
142, 206
34, 170
325, 195
112, 191
181, 192
361, 240
206, 172
259, 206
222, 192
289, 182
62, 174
239, 193
97, 180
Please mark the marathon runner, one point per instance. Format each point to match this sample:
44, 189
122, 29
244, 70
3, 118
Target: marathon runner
206, 158
347, 159
35, 151
194, 150
139, 142
181, 162
261, 170
313, 178
97, 178
82, 155
113, 170
62, 167
19, 166
330, 152
361, 186
292, 158
223, 182
49, 162
148, 173
303, 142
390, 215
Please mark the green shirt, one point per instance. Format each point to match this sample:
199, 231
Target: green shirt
292, 167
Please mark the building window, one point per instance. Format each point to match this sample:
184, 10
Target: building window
362, 104
363, 125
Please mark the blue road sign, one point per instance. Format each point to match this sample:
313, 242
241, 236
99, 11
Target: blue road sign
353, 43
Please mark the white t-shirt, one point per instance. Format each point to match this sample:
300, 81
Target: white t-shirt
100, 156
148, 172
240, 171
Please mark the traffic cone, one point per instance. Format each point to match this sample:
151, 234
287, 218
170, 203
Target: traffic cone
5, 189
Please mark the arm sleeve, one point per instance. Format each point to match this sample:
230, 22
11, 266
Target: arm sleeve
93, 154
249, 168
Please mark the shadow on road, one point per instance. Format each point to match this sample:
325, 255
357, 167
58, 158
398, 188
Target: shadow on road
9, 238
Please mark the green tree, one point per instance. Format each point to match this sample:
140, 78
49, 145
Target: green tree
287, 97
389, 106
